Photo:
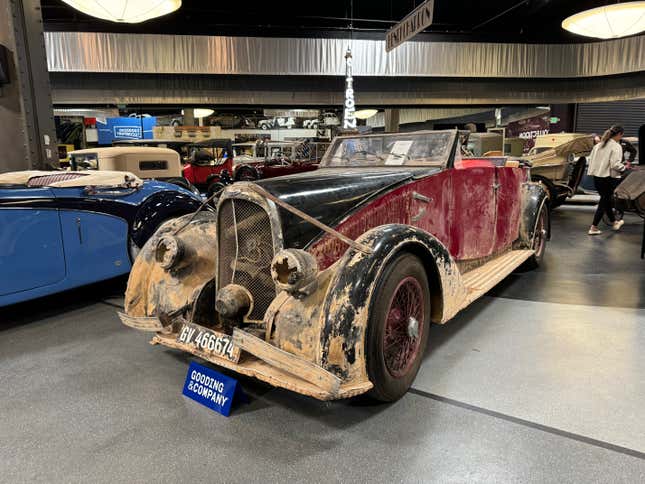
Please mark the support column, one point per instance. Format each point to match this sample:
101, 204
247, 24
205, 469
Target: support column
189, 117
27, 131
392, 120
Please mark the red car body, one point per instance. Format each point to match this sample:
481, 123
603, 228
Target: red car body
201, 175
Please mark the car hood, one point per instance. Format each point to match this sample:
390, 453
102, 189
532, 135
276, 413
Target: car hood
330, 194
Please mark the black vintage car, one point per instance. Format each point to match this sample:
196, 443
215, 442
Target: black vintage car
325, 282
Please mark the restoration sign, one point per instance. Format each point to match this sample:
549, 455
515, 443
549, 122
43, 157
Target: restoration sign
415, 22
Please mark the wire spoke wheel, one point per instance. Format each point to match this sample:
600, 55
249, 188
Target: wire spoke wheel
539, 239
397, 332
402, 328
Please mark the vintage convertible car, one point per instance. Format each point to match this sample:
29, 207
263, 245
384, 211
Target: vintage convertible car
273, 159
559, 162
62, 229
325, 282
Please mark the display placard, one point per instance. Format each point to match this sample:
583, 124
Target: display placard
211, 389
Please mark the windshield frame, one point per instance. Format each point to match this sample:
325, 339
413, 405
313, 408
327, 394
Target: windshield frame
448, 162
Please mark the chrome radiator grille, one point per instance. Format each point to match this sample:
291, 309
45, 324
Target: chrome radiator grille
246, 251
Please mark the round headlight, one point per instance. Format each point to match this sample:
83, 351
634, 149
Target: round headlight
168, 252
294, 271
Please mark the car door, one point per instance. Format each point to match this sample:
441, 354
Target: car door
31, 247
507, 226
430, 201
473, 211
95, 243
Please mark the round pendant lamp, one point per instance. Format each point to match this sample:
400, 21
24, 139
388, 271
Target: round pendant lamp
365, 113
608, 22
125, 11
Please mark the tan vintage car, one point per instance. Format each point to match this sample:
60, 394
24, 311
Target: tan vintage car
558, 161
144, 162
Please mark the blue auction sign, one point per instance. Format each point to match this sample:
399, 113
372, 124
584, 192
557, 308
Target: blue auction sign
125, 129
210, 388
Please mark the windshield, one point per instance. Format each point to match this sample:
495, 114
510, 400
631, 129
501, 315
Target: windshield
410, 149
541, 149
85, 161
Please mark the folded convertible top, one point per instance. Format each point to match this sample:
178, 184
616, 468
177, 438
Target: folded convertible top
67, 179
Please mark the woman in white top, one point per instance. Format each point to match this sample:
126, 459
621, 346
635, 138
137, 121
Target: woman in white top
605, 164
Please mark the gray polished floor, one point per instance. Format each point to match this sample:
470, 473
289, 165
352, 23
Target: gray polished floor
537, 385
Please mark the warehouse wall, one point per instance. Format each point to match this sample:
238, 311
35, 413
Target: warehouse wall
597, 117
12, 137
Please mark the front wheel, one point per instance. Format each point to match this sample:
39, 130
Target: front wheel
397, 331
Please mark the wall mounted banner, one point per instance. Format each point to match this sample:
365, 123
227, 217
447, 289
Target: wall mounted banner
418, 20
211, 389
125, 128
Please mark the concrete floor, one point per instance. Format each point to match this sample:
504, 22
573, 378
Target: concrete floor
541, 381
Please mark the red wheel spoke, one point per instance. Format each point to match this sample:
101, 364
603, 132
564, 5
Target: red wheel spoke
400, 348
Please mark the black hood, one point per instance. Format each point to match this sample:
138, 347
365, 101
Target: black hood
329, 194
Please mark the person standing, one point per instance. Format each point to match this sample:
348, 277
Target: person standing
605, 164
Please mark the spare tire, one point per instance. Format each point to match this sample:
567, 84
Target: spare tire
246, 173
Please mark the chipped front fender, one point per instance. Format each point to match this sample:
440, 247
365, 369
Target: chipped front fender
345, 312
163, 292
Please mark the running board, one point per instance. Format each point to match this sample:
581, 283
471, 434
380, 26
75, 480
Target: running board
481, 280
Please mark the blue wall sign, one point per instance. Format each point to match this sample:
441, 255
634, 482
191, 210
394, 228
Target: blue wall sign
124, 129
210, 388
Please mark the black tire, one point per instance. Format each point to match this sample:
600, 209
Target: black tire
246, 173
212, 178
540, 238
577, 174
215, 187
389, 386
183, 183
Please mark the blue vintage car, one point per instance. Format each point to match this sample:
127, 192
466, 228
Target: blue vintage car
60, 230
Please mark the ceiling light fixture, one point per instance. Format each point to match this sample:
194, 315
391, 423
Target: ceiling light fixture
200, 112
365, 113
125, 11
609, 22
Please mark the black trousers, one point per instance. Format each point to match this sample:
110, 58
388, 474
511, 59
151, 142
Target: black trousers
605, 187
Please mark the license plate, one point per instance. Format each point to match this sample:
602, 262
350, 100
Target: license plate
209, 342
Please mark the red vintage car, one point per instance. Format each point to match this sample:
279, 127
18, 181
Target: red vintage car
326, 282
268, 160
209, 164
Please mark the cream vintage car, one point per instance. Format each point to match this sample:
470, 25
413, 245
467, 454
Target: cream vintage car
144, 162
558, 161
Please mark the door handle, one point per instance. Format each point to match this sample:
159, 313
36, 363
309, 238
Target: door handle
78, 227
422, 210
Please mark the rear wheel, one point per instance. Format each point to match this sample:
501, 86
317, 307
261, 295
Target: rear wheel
540, 237
397, 331
577, 174
215, 187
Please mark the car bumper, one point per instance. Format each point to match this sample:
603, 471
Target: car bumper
256, 367
260, 360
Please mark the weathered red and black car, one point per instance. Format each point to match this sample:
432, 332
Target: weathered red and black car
325, 283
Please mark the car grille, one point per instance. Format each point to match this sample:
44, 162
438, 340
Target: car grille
246, 251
